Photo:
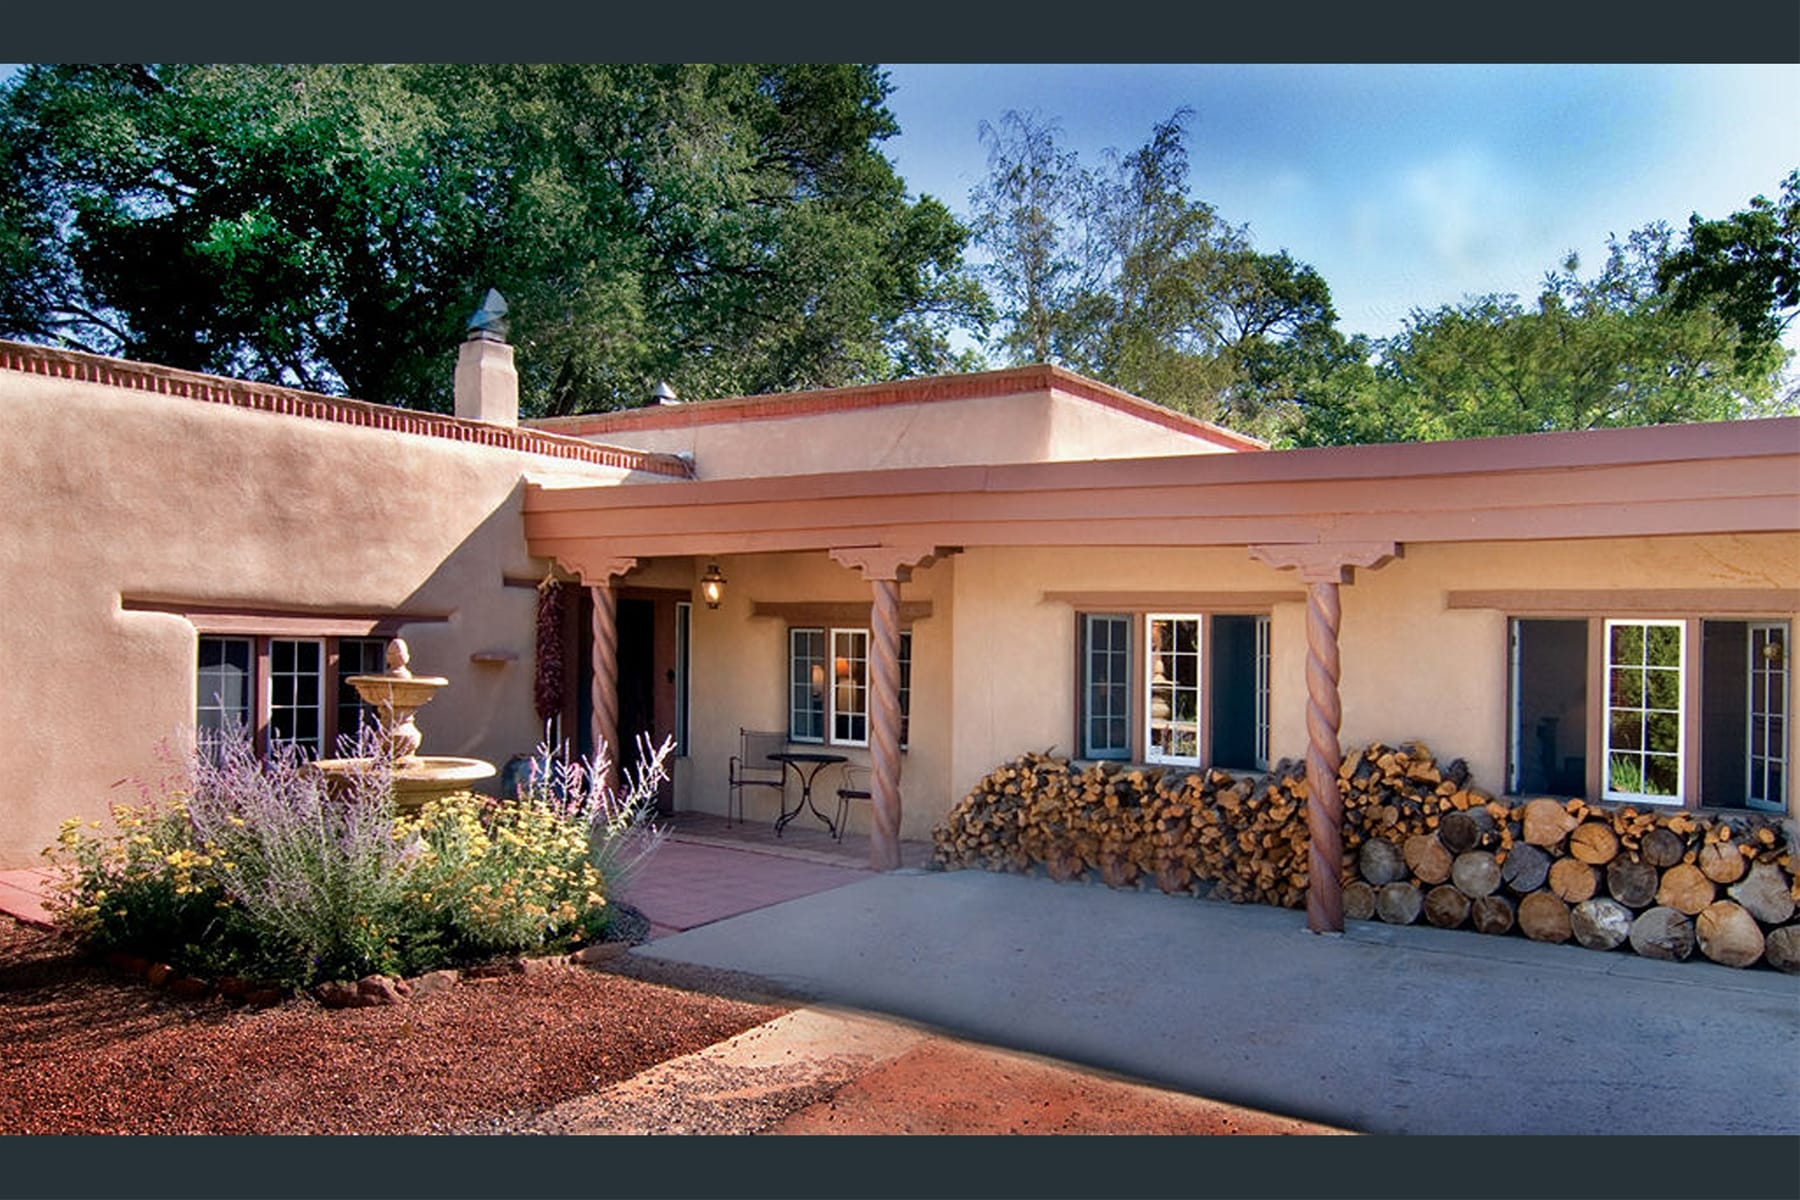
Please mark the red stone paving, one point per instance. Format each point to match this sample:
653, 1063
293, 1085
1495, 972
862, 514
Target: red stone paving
22, 895
685, 885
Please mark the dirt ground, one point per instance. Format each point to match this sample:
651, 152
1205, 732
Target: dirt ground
563, 1050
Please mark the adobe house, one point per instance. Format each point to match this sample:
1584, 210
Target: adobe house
927, 577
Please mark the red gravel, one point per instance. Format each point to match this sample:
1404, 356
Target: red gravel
84, 1051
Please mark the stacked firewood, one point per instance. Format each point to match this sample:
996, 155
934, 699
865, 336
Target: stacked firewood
1663, 882
1421, 842
1246, 837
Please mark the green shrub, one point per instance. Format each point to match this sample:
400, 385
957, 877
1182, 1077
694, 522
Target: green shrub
260, 868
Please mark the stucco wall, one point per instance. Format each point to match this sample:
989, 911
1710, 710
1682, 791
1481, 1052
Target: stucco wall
1411, 667
110, 492
740, 671
1035, 427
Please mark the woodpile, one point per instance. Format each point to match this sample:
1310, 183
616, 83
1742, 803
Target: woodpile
1175, 829
1421, 842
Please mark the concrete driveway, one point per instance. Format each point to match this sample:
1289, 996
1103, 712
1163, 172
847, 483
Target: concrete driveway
1383, 1030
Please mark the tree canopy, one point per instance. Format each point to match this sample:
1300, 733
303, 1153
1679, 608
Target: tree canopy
1745, 267
1118, 272
730, 228
735, 229
1590, 353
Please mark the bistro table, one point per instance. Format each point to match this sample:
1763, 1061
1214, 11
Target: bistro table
801, 761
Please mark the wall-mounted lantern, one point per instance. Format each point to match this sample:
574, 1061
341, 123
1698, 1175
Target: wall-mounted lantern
712, 585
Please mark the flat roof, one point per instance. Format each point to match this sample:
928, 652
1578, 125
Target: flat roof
932, 389
1741, 476
82, 367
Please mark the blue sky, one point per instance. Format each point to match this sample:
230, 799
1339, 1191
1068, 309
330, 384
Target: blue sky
1405, 186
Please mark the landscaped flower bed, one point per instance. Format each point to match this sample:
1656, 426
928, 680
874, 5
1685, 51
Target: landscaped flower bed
239, 869
1421, 841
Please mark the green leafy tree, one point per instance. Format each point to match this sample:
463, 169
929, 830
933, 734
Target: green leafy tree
1745, 267
1609, 350
1121, 274
729, 228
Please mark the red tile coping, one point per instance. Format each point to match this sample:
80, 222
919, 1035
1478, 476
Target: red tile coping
928, 390
264, 397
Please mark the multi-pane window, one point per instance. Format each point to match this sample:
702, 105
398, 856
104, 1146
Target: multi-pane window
1172, 682
1691, 712
1643, 710
357, 656
1202, 681
1767, 668
828, 693
226, 696
807, 675
850, 686
1106, 686
285, 691
297, 694
905, 688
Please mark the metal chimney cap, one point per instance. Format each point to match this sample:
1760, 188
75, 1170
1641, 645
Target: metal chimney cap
664, 394
489, 321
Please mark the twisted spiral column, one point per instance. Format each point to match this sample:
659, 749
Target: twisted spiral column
605, 687
884, 725
1324, 805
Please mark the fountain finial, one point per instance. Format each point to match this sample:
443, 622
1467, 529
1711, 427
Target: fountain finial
398, 655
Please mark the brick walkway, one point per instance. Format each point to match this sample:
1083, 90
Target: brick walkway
22, 895
709, 870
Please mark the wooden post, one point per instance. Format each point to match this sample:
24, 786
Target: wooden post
886, 568
605, 686
884, 725
1324, 804
598, 575
1325, 567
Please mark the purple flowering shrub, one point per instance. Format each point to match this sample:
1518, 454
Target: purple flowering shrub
262, 867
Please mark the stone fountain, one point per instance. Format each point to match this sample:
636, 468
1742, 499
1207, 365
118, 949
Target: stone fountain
396, 695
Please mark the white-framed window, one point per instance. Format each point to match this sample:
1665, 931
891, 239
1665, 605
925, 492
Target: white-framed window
1692, 711
828, 686
1645, 693
1106, 686
1172, 688
1197, 691
1766, 714
849, 696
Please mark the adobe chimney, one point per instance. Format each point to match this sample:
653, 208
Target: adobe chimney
487, 385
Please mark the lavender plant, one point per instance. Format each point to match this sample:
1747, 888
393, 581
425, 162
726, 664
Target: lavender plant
264, 867
622, 832
320, 878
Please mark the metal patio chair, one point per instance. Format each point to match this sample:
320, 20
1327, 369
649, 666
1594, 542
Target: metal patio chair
856, 787
751, 768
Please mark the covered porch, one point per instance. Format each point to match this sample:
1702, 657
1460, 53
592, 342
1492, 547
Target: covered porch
992, 564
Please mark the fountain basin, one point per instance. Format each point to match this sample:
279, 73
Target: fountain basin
395, 691
418, 779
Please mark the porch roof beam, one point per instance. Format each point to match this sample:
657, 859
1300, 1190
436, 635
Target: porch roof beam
1740, 486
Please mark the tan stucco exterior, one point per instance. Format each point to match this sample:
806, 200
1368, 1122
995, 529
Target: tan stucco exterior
1412, 668
123, 498
740, 681
1039, 427
996, 664
115, 494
